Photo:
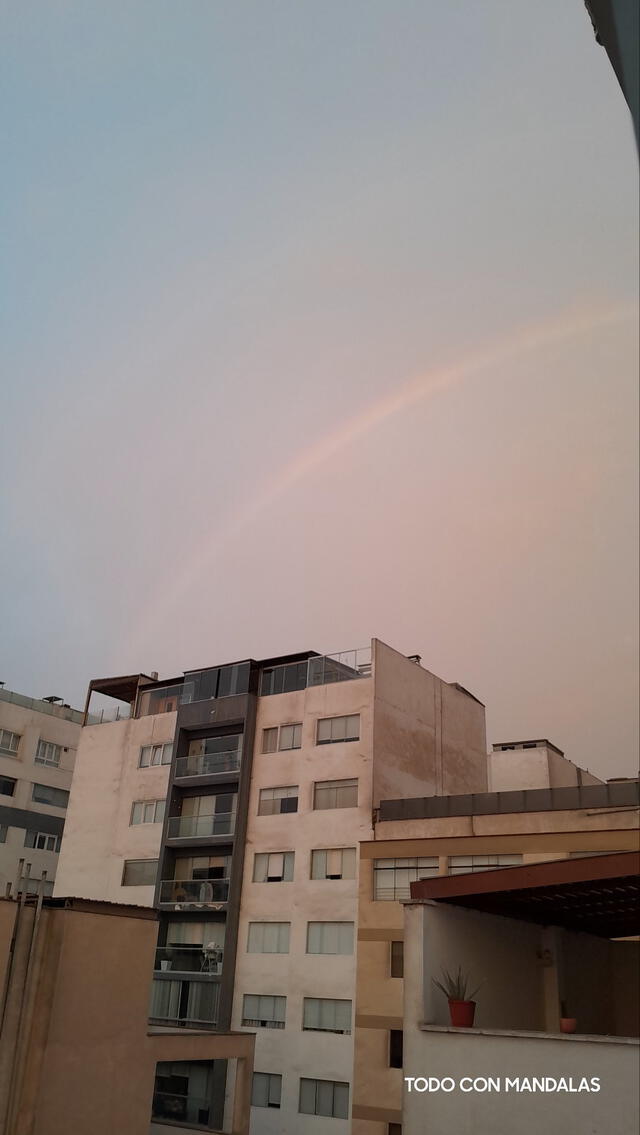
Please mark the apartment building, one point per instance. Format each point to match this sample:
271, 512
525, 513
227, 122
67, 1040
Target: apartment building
38, 742
234, 798
460, 835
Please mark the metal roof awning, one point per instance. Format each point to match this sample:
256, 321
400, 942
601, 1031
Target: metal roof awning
597, 895
122, 688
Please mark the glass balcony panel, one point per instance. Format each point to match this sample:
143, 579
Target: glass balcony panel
206, 764
190, 827
189, 959
194, 890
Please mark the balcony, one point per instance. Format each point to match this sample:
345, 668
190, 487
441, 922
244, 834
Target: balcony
189, 959
199, 827
201, 893
208, 764
191, 1002
346, 666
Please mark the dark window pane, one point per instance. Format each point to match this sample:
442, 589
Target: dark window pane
397, 959
395, 1048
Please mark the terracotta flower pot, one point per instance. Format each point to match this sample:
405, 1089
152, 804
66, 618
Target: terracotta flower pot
462, 1014
568, 1024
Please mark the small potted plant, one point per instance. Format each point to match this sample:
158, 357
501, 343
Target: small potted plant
567, 1023
462, 1006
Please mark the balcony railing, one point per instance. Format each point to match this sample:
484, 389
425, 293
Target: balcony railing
190, 827
181, 1109
189, 959
206, 764
200, 892
318, 671
108, 715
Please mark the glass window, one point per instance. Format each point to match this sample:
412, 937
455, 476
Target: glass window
147, 811
397, 959
395, 1048
263, 1011
275, 801
48, 754
330, 937
7, 785
283, 679
3, 833
270, 740
155, 755
324, 1014
183, 1090
464, 864
139, 872
9, 743
324, 1097
273, 867
335, 794
392, 878
332, 729
45, 794
266, 1089
217, 682
280, 738
42, 841
333, 863
268, 938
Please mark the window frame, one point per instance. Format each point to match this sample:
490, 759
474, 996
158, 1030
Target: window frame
415, 866
7, 750
278, 746
162, 745
288, 867
333, 1114
127, 863
49, 788
45, 837
9, 781
333, 1001
288, 788
335, 786
261, 931
329, 923
159, 804
264, 1021
333, 877
340, 738
269, 1077
41, 758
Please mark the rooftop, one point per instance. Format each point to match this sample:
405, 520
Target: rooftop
596, 895
613, 794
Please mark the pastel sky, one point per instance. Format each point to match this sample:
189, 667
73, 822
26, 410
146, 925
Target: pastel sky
318, 323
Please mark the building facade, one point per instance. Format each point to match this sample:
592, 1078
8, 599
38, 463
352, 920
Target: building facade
38, 742
234, 799
455, 836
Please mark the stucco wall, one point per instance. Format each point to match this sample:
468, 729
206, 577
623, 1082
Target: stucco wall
428, 736
98, 836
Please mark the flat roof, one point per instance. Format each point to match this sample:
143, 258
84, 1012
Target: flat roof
497, 745
596, 894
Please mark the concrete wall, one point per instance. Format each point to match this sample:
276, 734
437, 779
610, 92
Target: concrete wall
32, 726
86, 1057
98, 836
291, 1051
514, 769
428, 736
444, 1052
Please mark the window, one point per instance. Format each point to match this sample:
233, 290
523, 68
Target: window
147, 812
395, 1048
42, 841
392, 878
155, 755
266, 1089
183, 1000
462, 864
48, 754
324, 1014
9, 743
45, 794
139, 872
262, 1011
330, 937
335, 794
219, 682
333, 863
183, 1092
394, 1129
273, 867
268, 938
331, 729
274, 801
7, 785
283, 679
3, 833
324, 1097
282, 737
396, 966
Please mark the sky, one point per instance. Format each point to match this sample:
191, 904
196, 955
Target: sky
318, 323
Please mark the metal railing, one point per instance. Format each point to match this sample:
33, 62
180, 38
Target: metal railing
200, 892
189, 959
106, 716
345, 666
190, 827
206, 764
66, 713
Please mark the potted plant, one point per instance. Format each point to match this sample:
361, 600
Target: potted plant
567, 1023
462, 1006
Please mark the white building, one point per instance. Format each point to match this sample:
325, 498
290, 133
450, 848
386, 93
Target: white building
38, 742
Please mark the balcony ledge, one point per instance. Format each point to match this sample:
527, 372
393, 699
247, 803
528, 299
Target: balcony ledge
589, 1038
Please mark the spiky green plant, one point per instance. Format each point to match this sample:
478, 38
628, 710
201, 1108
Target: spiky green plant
455, 986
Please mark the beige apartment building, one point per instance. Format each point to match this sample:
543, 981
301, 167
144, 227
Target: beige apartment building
458, 836
38, 742
234, 799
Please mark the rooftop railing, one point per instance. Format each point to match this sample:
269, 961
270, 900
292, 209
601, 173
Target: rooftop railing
65, 712
346, 666
197, 892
